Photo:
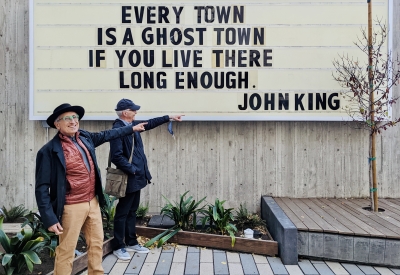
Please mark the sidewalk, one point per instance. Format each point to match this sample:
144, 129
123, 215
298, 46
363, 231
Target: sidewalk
183, 260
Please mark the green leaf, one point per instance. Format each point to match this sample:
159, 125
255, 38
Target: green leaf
232, 238
10, 270
30, 244
5, 241
6, 259
1, 222
169, 236
27, 233
156, 238
28, 263
32, 256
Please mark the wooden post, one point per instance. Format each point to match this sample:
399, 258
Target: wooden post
374, 190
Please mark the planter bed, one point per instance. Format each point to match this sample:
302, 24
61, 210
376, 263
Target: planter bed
263, 247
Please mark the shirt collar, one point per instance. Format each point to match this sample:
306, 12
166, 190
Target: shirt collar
125, 122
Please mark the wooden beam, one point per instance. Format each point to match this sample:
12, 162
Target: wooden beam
255, 246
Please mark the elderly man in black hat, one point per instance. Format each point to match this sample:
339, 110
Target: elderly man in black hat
138, 176
68, 186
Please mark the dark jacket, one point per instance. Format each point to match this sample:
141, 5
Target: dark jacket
137, 171
51, 184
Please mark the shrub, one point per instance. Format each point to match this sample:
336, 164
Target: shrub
142, 210
244, 219
220, 217
14, 213
34, 221
20, 251
182, 213
108, 212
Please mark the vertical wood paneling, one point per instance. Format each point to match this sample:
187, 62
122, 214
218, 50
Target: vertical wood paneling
233, 161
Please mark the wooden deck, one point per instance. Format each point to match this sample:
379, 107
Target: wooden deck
344, 216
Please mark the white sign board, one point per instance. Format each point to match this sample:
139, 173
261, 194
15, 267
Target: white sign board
220, 60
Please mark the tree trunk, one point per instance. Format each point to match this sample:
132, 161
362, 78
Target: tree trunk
372, 159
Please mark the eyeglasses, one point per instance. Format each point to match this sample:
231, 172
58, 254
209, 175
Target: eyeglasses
69, 118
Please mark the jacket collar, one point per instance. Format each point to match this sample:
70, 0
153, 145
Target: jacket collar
57, 148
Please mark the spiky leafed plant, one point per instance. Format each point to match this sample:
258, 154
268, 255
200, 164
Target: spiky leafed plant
183, 213
14, 213
221, 218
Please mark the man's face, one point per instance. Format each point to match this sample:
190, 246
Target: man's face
130, 115
67, 123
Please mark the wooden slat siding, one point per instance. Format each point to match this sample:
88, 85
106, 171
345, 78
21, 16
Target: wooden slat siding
323, 224
292, 216
328, 218
358, 230
370, 226
308, 222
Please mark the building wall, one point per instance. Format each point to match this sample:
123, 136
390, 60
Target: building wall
233, 161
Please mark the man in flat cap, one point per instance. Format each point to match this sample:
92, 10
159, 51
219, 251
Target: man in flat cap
138, 176
68, 186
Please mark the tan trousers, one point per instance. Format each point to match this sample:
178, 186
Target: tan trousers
76, 217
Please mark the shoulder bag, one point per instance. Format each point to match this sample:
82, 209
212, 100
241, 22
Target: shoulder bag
116, 179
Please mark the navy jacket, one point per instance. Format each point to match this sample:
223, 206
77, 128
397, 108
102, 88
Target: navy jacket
51, 179
120, 149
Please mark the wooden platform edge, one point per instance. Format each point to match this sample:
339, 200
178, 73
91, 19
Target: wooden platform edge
262, 247
80, 263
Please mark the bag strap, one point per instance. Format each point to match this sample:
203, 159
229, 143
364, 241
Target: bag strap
130, 158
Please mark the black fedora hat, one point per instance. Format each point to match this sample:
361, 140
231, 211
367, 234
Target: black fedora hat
63, 108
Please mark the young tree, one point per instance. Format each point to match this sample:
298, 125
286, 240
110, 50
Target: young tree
367, 87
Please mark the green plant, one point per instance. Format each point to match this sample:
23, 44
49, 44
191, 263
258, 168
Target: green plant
34, 221
182, 213
245, 219
221, 218
108, 211
20, 251
14, 213
142, 210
